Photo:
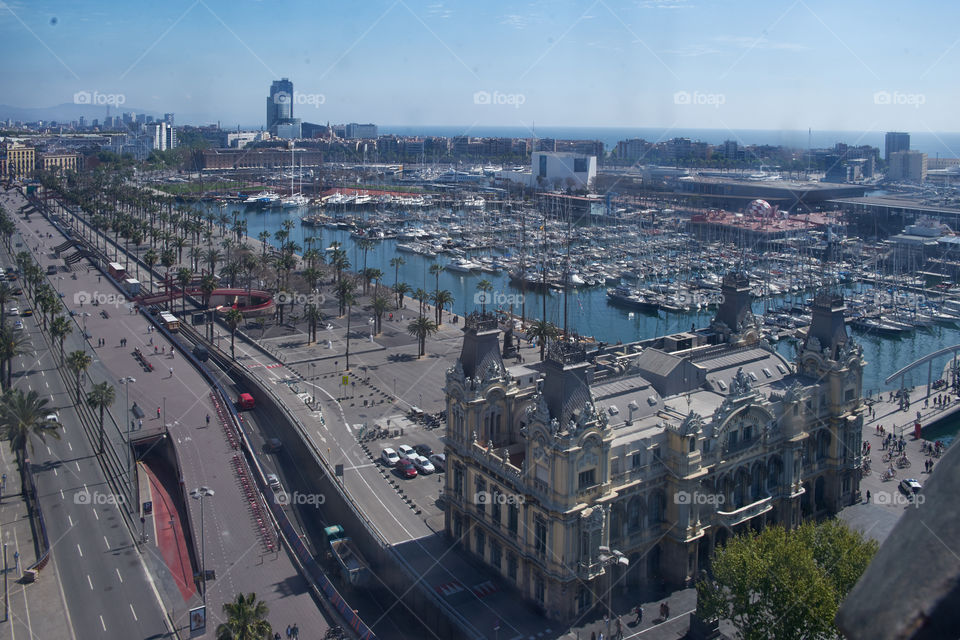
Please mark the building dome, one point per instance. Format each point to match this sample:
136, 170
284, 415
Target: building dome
759, 208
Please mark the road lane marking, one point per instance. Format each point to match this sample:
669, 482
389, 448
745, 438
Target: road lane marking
118, 574
81, 554
62, 497
70, 446
134, 614
95, 513
49, 453
106, 542
47, 383
55, 471
102, 623
78, 465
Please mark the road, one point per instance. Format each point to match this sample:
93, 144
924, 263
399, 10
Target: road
109, 592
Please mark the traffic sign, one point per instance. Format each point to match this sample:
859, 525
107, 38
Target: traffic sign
345, 380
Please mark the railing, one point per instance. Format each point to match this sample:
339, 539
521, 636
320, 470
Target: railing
733, 518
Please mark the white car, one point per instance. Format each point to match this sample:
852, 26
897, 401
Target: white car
423, 465
389, 457
18, 324
439, 461
273, 481
14, 311
52, 417
406, 451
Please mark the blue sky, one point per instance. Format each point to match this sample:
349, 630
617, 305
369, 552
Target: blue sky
848, 65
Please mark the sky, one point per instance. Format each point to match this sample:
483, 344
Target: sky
724, 64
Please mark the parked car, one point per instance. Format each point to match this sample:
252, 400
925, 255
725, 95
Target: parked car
52, 417
405, 451
273, 481
423, 465
389, 457
439, 461
13, 311
27, 312
18, 324
406, 469
910, 486
424, 450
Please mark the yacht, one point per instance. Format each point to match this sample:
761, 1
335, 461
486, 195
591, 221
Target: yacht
295, 201
462, 265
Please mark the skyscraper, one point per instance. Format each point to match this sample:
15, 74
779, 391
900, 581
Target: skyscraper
895, 141
280, 102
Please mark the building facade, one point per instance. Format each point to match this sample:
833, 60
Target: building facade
279, 102
21, 161
650, 454
562, 170
907, 165
60, 161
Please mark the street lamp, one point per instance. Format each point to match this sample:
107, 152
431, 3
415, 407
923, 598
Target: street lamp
86, 339
199, 494
610, 559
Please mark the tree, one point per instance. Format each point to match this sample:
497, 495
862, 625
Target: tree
396, 263
544, 331
441, 298
485, 287
401, 290
420, 329
23, 416
435, 271
100, 398
246, 619
78, 362
184, 277
60, 328
6, 295
379, 304
785, 584
233, 320
421, 296
12, 344
314, 316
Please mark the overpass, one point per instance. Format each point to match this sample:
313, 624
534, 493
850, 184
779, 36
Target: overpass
259, 301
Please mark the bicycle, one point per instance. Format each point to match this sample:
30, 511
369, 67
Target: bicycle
903, 462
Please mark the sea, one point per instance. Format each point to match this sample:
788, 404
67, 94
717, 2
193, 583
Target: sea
934, 144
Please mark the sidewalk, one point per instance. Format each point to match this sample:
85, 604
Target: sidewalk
37, 610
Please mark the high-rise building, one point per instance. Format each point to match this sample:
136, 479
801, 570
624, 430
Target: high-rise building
168, 118
895, 141
365, 131
280, 102
907, 165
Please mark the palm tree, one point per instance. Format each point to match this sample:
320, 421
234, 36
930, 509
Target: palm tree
435, 271
420, 329
396, 263
246, 619
208, 284
233, 320
441, 299
486, 287
263, 236
379, 304
401, 289
12, 344
60, 328
6, 295
101, 397
22, 416
543, 331
421, 296
78, 362
313, 316
150, 258
184, 277
343, 289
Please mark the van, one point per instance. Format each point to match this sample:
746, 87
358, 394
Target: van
200, 353
245, 401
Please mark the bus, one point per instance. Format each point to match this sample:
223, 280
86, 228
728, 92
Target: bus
170, 321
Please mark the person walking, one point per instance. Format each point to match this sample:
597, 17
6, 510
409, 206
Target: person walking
158, 413
171, 372
868, 495
619, 635
639, 612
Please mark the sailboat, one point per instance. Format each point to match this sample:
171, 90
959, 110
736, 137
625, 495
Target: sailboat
294, 200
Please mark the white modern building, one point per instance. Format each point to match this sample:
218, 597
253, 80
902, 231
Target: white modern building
555, 170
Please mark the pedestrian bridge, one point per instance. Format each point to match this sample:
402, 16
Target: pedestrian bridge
928, 360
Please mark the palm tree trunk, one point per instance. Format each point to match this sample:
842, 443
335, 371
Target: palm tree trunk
101, 430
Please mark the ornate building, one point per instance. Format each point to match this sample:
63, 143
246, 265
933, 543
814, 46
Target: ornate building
657, 450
